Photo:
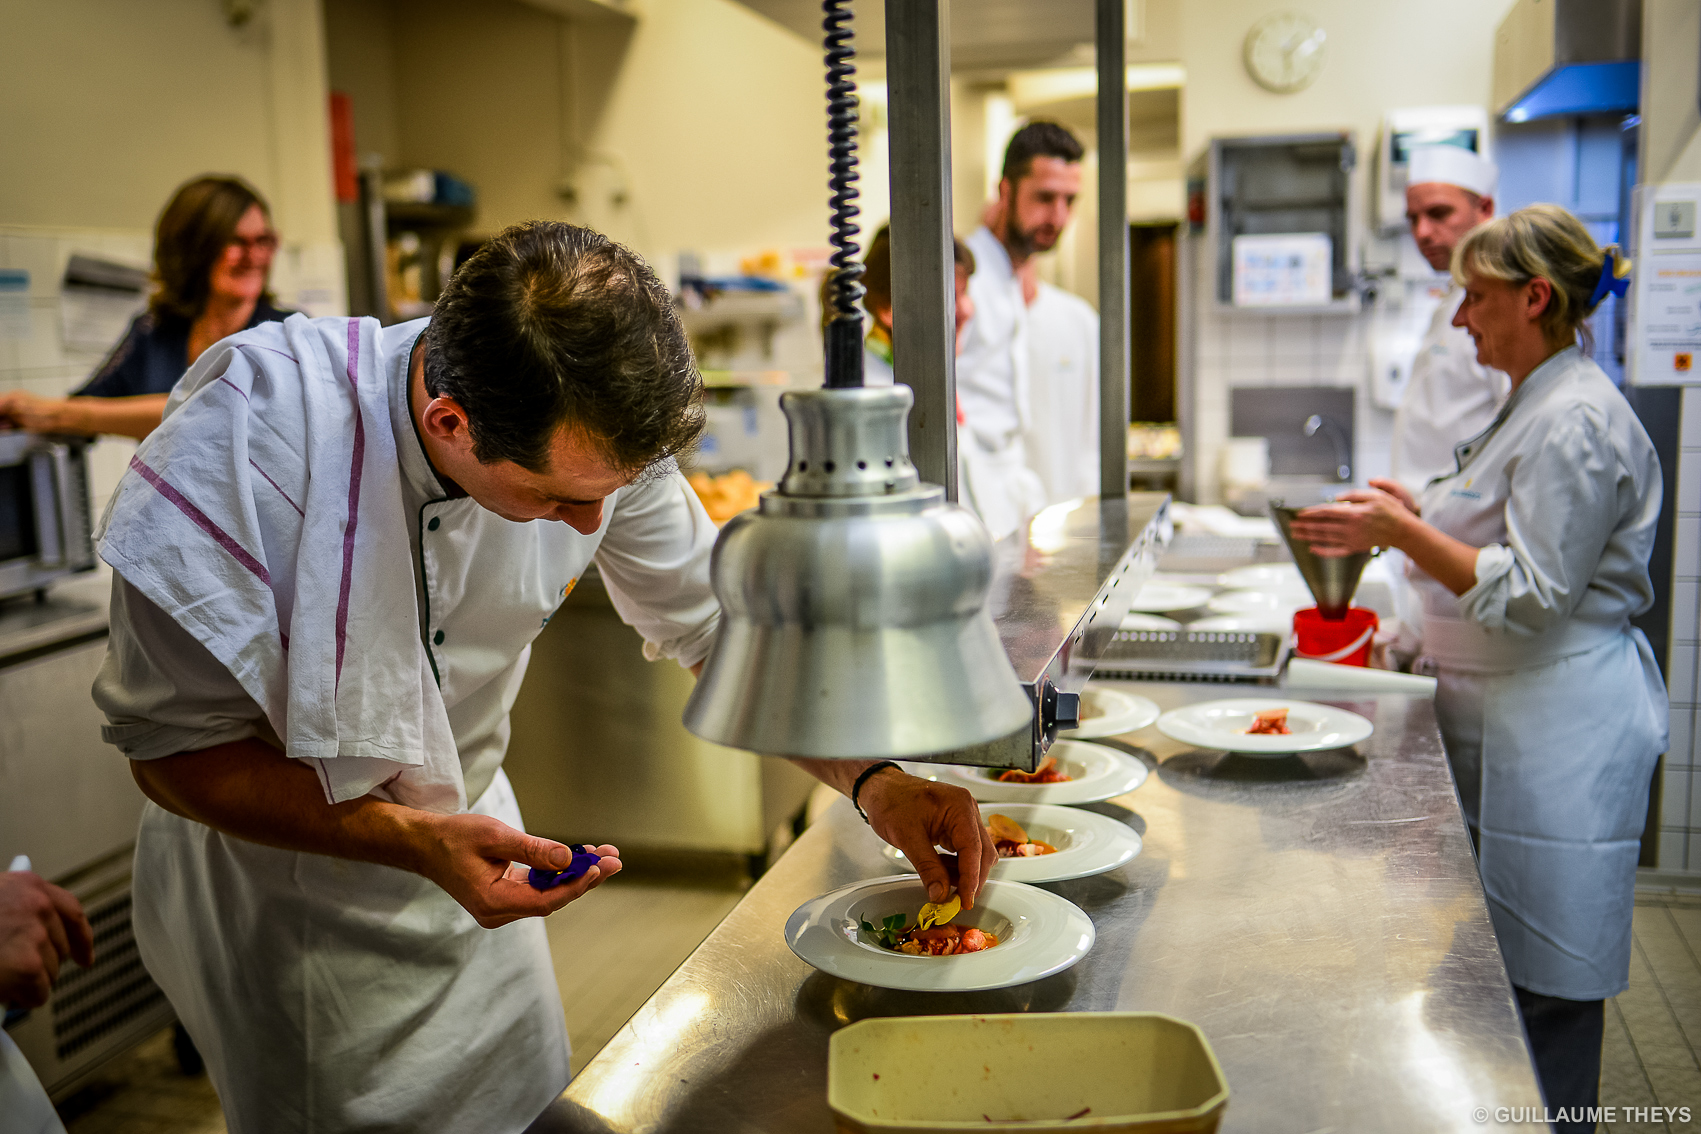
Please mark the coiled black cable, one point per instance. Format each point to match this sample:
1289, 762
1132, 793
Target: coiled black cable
844, 328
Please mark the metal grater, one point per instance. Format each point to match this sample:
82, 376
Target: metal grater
1199, 655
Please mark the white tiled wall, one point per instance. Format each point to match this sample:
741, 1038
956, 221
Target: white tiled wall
1232, 349
1680, 818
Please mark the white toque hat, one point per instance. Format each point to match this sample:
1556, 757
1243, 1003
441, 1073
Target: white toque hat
1452, 165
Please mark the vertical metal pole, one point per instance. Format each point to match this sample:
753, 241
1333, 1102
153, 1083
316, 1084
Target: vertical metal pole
924, 298
1111, 33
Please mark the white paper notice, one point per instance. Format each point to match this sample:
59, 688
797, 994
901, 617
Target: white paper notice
1282, 270
1666, 341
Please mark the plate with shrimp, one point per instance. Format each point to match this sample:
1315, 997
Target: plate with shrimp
1042, 842
1074, 771
1264, 726
875, 932
1110, 712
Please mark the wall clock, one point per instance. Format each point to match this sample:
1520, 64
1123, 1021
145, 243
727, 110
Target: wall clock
1284, 52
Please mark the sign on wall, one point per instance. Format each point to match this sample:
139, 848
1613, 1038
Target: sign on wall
1665, 343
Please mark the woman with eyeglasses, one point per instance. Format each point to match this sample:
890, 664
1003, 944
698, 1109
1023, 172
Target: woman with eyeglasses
213, 249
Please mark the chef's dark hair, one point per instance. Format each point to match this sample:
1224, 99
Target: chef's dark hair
549, 324
877, 272
1038, 139
190, 237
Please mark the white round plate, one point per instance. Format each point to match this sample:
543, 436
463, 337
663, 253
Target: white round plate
1095, 773
1272, 623
1111, 712
1038, 932
1223, 724
1254, 602
1274, 578
1160, 598
1149, 622
1087, 843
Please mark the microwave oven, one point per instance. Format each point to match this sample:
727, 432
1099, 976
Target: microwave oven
45, 525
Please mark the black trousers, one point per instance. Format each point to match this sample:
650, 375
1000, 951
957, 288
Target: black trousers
1565, 1038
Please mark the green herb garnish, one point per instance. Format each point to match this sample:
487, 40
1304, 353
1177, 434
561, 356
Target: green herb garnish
890, 930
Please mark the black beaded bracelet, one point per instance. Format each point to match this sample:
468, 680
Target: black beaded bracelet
856, 790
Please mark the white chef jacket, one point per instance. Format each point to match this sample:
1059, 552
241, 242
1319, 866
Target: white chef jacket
24, 1106
330, 995
1450, 397
992, 369
993, 394
1062, 433
1551, 705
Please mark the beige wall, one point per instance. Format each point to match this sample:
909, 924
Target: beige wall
715, 124
1671, 120
1380, 55
698, 127
106, 106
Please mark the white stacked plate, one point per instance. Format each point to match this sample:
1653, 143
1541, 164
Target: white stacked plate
1087, 843
1137, 621
1256, 602
1111, 712
1223, 725
1272, 578
1038, 934
1274, 622
1095, 773
1163, 598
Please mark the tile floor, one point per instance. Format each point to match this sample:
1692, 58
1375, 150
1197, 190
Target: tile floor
1653, 1031
143, 1092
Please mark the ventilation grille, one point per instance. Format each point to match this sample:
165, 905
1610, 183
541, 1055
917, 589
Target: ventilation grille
93, 1002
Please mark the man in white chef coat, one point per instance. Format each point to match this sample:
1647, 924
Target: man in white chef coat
330, 562
1450, 397
1036, 196
1062, 433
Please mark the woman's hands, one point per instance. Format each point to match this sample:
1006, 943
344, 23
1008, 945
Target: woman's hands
1380, 516
23, 410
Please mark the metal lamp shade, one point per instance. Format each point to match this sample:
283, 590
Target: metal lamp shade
1333, 579
853, 622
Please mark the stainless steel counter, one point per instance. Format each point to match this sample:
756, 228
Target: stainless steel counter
1319, 917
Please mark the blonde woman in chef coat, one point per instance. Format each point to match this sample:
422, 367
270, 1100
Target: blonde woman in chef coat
1531, 558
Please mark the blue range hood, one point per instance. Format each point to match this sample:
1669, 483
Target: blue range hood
1581, 88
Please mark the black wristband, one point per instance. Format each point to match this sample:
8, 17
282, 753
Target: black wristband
856, 789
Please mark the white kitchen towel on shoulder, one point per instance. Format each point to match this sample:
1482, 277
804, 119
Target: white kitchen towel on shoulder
265, 517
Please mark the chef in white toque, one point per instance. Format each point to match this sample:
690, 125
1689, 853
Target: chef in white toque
1451, 396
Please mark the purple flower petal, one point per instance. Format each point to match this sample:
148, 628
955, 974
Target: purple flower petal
583, 860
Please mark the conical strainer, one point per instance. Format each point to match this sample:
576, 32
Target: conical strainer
1333, 579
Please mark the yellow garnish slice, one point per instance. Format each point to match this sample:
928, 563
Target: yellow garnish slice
939, 913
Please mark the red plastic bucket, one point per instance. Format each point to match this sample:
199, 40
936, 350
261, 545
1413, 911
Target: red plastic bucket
1346, 642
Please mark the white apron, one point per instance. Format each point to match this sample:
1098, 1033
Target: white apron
344, 996
1551, 705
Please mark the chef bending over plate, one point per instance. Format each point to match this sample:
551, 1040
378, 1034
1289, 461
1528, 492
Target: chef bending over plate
331, 559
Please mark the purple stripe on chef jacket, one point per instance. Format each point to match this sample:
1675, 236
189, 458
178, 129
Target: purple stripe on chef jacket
353, 493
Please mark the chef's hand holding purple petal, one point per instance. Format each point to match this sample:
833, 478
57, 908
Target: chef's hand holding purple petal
472, 856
